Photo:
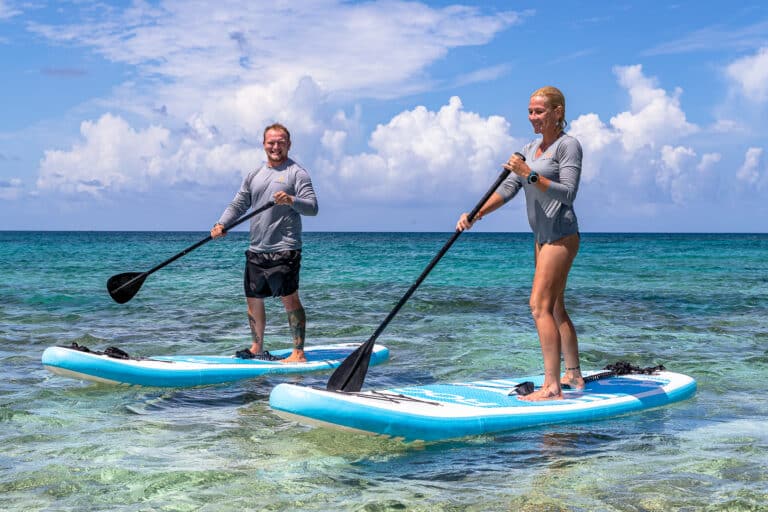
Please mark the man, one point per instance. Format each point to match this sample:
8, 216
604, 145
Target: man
273, 258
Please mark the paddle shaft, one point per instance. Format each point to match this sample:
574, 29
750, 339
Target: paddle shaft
192, 247
437, 258
350, 375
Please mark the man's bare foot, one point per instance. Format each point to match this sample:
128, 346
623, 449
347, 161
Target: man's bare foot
542, 394
297, 356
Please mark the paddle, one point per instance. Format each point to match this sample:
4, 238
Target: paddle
122, 287
350, 374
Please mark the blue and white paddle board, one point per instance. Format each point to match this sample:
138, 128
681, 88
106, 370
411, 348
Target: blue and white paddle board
446, 411
193, 370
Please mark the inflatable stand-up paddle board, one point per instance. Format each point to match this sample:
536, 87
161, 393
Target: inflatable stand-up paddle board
114, 366
445, 411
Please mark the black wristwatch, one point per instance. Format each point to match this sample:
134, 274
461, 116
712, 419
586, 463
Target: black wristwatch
533, 177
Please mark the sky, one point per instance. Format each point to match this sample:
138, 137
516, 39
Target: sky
146, 115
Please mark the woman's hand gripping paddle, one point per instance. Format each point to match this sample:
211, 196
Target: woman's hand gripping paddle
350, 374
122, 287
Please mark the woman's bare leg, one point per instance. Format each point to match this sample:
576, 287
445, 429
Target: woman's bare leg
569, 345
553, 262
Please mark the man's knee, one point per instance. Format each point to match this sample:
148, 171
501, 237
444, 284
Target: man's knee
292, 301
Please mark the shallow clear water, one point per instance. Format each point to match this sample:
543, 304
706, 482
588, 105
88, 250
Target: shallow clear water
696, 303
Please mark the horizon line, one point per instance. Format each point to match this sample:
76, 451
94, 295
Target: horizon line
245, 231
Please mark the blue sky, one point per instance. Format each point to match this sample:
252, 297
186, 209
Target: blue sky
146, 115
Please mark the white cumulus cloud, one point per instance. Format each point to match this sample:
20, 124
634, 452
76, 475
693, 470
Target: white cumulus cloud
654, 116
646, 158
674, 176
749, 172
207, 79
111, 156
596, 140
750, 76
423, 153
333, 141
709, 161
635, 153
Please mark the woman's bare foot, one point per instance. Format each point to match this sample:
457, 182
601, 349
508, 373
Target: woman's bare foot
572, 382
297, 356
572, 379
542, 394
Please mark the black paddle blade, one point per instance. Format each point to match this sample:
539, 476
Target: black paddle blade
122, 287
350, 374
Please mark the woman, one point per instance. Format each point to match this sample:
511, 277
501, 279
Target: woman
550, 178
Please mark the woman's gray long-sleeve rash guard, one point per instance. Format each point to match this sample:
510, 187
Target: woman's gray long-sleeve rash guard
550, 213
278, 228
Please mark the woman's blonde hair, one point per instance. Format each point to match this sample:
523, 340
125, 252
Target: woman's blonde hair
555, 98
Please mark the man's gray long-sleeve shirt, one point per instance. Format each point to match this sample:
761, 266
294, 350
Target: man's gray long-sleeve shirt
278, 228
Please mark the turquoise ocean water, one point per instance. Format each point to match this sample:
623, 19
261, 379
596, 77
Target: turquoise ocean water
696, 303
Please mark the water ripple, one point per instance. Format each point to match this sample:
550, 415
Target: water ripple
648, 299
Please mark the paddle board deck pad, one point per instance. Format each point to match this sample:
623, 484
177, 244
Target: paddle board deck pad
115, 366
445, 411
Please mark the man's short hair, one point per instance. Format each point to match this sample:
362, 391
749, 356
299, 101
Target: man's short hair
277, 126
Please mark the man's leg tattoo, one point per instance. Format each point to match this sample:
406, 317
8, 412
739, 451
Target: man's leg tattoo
297, 322
254, 331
